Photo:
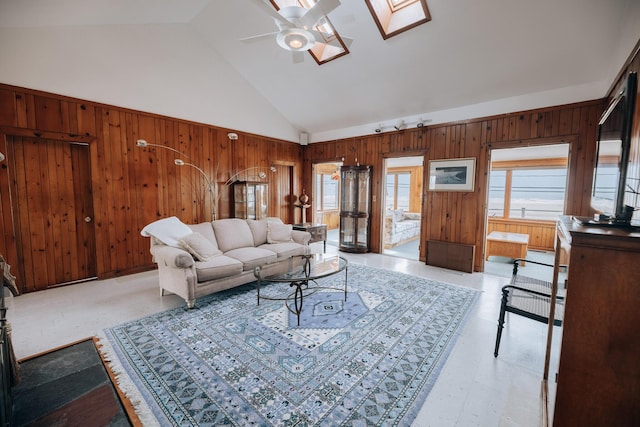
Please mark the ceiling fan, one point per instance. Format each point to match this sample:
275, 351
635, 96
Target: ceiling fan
297, 30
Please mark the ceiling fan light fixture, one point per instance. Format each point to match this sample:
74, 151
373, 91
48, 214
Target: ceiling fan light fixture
295, 39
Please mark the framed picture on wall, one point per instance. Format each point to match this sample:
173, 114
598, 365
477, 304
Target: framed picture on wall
452, 174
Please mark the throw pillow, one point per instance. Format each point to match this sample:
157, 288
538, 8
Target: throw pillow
279, 233
167, 230
199, 246
412, 215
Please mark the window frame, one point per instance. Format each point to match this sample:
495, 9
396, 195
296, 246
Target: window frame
383, 14
400, 4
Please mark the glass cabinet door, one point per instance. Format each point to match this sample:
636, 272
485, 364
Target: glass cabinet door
261, 201
239, 200
355, 207
349, 182
250, 200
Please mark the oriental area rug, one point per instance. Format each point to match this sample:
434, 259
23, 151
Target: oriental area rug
369, 360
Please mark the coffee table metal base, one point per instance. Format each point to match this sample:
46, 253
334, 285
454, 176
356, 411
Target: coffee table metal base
304, 287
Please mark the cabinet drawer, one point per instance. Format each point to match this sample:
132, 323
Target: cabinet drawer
318, 233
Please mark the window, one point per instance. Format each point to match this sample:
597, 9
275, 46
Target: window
396, 16
528, 183
521, 193
497, 185
327, 192
538, 193
398, 191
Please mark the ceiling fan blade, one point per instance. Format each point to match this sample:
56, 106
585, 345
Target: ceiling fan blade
271, 12
259, 37
297, 57
320, 9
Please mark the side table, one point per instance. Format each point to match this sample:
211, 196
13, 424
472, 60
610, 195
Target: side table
318, 232
511, 245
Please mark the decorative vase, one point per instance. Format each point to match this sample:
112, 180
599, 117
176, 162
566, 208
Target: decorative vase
304, 199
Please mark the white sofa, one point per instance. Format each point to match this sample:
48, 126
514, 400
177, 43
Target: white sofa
191, 267
400, 227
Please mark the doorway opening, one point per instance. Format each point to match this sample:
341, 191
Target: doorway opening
401, 222
527, 195
326, 199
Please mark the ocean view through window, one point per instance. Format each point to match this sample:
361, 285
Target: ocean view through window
536, 194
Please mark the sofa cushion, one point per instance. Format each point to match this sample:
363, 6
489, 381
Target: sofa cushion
259, 229
199, 246
251, 257
279, 233
217, 267
232, 233
206, 229
286, 250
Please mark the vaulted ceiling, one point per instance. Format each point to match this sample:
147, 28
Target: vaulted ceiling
185, 59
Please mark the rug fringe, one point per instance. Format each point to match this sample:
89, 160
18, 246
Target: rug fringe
124, 383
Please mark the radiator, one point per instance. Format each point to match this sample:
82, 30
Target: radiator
454, 256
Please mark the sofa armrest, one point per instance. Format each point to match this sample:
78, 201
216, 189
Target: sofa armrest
172, 257
301, 237
389, 223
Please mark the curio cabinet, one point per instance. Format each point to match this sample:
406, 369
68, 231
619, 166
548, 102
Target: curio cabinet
250, 199
355, 208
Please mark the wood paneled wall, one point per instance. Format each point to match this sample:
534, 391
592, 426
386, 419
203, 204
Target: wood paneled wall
460, 216
133, 186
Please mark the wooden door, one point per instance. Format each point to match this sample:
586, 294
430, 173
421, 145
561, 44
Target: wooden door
281, 197
52, 207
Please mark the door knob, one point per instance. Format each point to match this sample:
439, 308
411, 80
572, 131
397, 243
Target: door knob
87, 219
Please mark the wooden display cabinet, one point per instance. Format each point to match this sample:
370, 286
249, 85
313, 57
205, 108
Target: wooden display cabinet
250, 199
355, 208
599, 367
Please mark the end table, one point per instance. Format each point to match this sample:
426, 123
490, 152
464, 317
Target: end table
318, 232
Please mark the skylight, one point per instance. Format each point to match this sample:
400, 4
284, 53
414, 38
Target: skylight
396, 16
332, 45
399, 4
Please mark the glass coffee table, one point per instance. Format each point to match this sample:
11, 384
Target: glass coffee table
302, 273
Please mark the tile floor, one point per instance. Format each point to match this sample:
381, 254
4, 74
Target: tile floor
473, 388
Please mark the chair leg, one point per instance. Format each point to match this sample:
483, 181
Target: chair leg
503, 307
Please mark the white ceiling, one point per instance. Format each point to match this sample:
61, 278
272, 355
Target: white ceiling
475, 58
